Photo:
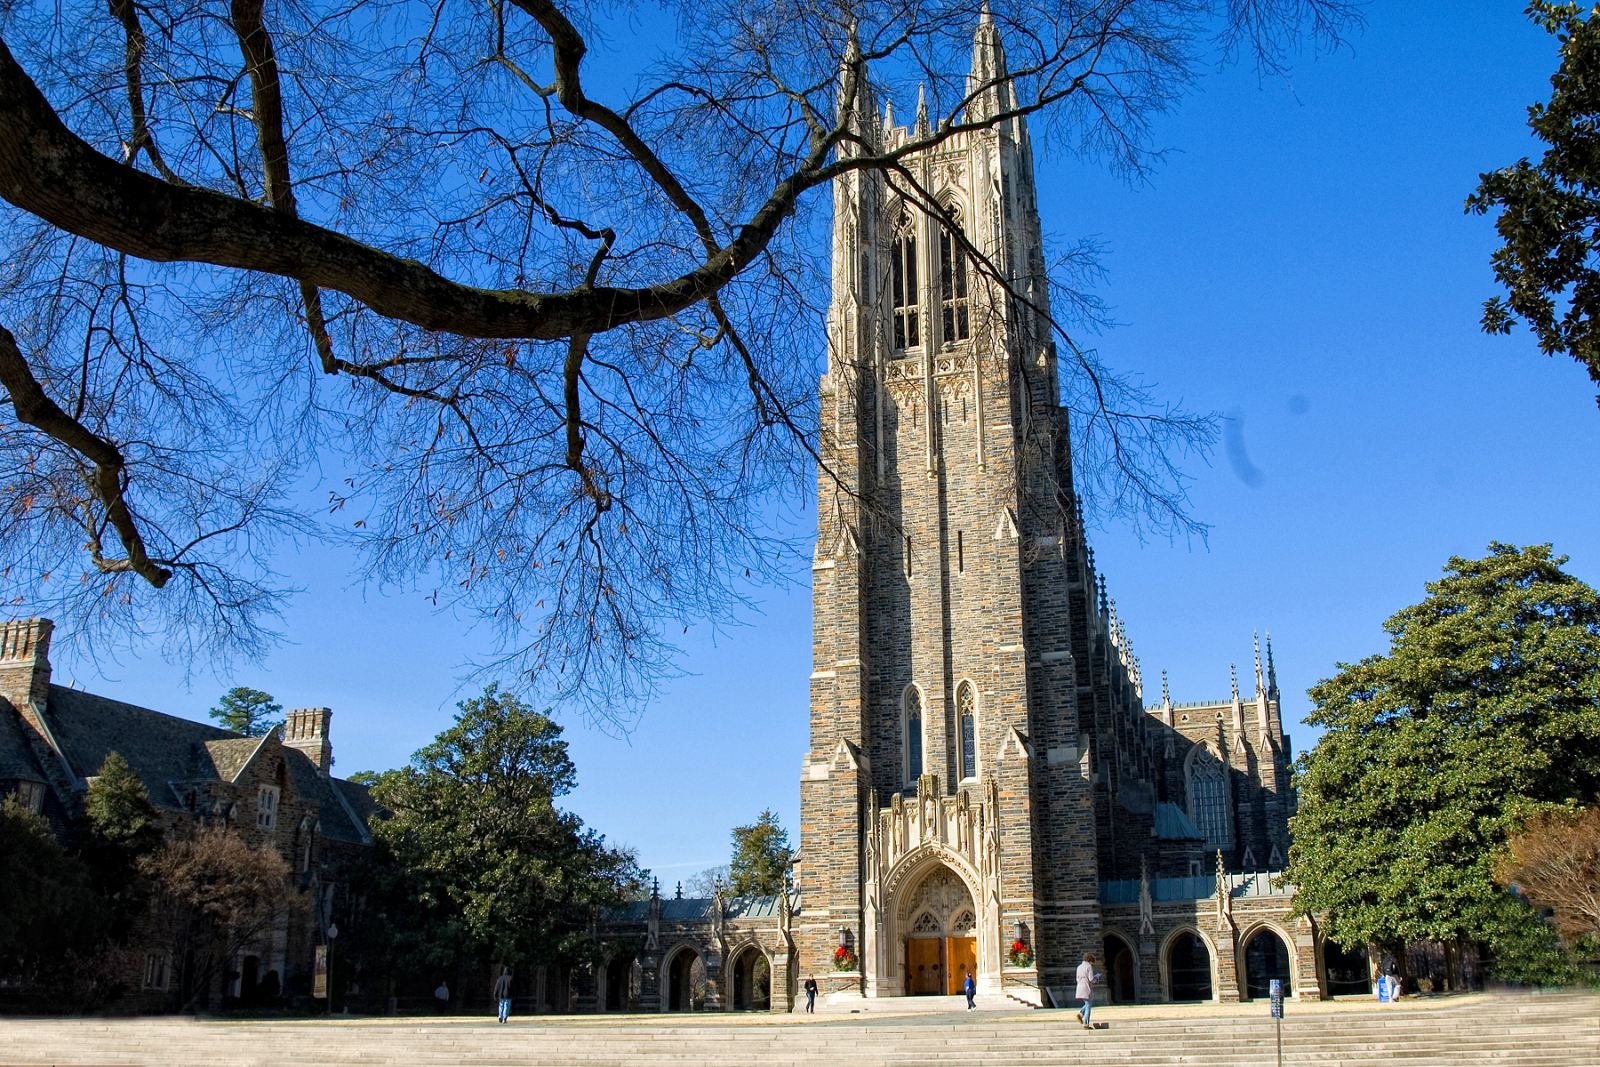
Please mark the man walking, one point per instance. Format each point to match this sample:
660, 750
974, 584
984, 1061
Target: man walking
811, 995
1087, 979
970, 988
502, 993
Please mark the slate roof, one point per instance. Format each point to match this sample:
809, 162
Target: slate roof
16, 755
695, 909
1172, 824
164, 750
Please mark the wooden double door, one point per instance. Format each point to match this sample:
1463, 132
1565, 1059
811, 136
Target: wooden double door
937, 966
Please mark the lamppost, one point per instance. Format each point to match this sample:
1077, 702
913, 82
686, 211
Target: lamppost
333, 932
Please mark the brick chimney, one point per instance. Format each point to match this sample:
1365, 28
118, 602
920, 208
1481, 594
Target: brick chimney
307, 730
25, 663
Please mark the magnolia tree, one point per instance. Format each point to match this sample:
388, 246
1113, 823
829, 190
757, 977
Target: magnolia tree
522, 296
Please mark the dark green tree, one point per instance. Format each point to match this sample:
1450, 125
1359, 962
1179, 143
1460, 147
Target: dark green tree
52, 920
761, 857
247, 711
1485, 708
121, 827
476, 863
1549, 219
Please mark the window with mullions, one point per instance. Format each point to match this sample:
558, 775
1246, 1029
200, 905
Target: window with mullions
1208, 799
903, 283
913, 717
967, 714
953, 280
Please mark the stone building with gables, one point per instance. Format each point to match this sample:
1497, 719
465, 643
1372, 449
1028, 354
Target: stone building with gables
276, 790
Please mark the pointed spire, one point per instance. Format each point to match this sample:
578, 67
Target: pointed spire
1233, 674
1166, 694
888, 114
1255, 640
655, 889
922, 110
985, 16
1272, 671
987, 83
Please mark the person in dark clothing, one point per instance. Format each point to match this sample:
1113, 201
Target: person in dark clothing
502, 993
970, 988
811, 996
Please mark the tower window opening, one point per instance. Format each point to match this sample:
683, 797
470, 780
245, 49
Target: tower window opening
953, 281
903, 283
961, 554
967, 714
908, 555
913, 718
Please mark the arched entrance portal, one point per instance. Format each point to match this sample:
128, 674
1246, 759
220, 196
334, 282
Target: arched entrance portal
1265, 957
1120, 971
686, 981
1347, 970
940, 924
750, 981
1188, 968
619, 983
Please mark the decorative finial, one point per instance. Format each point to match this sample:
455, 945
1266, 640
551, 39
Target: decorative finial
922, 110
1166, 694
1233, 674
888, 114
1255, 640
985, 16
1272, 671
655, 888
680, 891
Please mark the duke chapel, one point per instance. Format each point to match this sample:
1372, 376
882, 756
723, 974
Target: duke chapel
985, 790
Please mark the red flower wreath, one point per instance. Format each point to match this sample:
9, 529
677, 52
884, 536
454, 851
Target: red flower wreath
1020, 956
844, 959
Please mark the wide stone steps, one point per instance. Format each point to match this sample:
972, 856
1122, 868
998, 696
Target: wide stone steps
1527, 1031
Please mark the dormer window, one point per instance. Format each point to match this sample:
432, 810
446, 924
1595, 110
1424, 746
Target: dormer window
267, 808
903, 283
31, 796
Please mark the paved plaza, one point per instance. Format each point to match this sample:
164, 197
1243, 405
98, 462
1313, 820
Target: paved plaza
1526, 1030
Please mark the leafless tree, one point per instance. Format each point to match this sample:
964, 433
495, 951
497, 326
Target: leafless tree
1555, 862
546, 318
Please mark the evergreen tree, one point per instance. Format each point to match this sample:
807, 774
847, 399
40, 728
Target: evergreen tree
1550, 210
761, 857
52, 919
247, 711
1486, 707
122, 827
476, 863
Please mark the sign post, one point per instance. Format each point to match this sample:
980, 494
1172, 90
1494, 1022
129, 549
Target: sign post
1276, 990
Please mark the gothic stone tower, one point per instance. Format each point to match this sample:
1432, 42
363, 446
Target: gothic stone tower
947, 803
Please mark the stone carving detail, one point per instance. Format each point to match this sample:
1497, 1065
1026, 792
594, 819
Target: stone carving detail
941, 894
925, 924
964, 922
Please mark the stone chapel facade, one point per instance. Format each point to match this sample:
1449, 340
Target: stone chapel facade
984, 783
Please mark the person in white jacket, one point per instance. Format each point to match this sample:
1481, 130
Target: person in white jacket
1088, 977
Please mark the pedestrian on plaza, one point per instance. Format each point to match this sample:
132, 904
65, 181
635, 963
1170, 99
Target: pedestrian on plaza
502, 993
441, 998
811, 995
1088, 977
970, 988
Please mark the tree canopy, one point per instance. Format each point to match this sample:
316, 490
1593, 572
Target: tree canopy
761, 857
247, 711
475, 860
1549, 216
530, 292
1485, 708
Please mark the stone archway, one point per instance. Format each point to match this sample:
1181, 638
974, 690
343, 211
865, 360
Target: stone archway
683, 980
1121, 970
937, 933
1188, 966
1266, 956
749, 980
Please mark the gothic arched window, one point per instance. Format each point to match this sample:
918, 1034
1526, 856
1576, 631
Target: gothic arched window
967, 720
1208, 798
953, 279
913, 719
903, 282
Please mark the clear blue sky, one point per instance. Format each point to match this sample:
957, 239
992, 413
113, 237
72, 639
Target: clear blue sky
1301, 263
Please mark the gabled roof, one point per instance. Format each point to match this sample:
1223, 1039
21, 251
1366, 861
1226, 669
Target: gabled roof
160, 748
167, 752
